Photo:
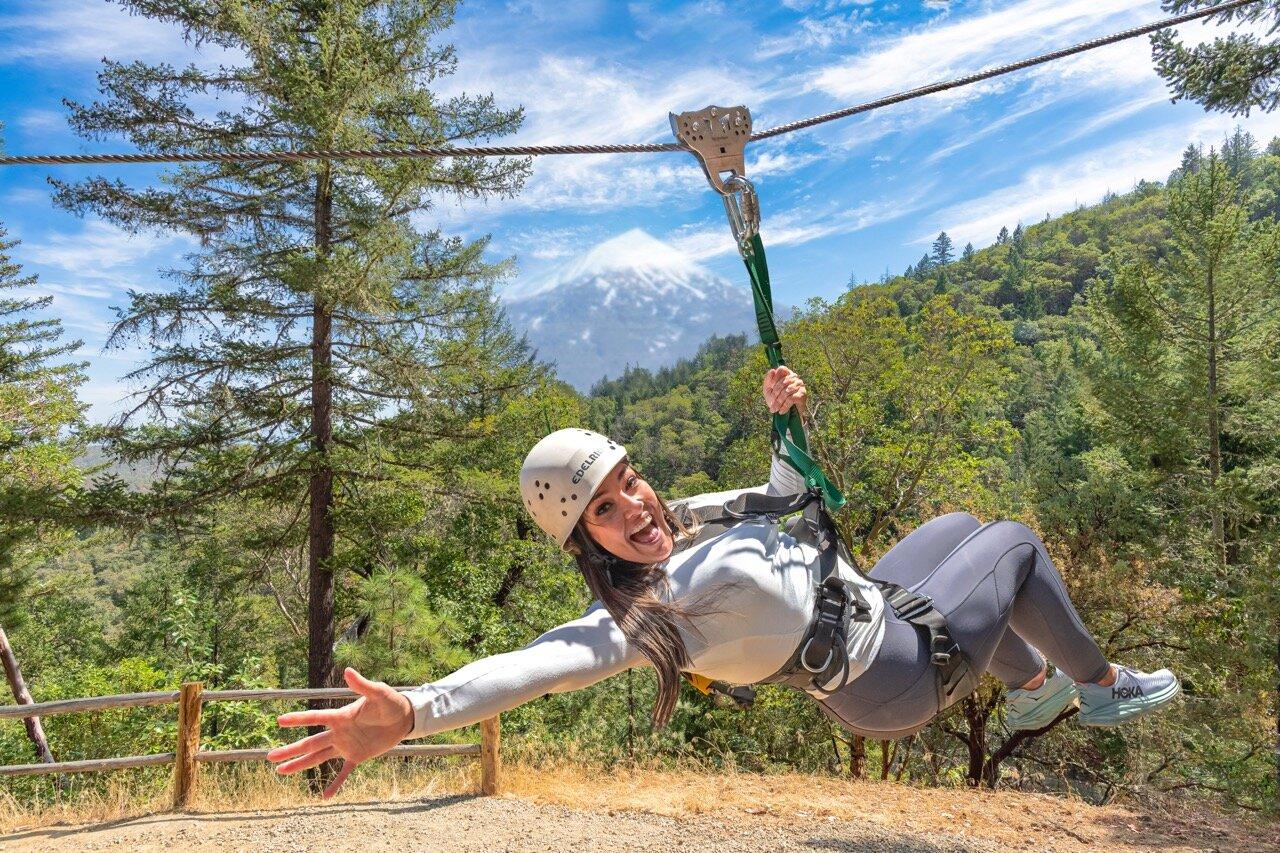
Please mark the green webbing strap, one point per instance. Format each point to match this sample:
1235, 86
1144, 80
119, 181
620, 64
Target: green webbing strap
787, 427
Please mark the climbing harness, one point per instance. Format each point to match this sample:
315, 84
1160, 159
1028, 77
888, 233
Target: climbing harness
717, 136
820, 664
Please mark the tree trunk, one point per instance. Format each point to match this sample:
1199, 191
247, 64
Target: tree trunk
1215, 437
320, 605
977, 740
857, 756
35, 731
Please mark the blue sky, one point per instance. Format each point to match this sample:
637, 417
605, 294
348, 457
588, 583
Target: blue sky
859, 196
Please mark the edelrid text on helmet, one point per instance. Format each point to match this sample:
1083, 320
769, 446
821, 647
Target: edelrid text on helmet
561, 473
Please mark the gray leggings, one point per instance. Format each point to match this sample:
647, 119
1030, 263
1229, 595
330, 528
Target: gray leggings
1003, 600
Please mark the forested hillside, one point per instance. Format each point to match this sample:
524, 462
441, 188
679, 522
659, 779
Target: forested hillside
1108, 377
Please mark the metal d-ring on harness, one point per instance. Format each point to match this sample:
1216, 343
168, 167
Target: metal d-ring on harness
717, 136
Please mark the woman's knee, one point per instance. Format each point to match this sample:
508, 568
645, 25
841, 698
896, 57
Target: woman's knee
1009, 530
960, 520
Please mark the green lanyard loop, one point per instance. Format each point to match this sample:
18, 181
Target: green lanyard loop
788, 430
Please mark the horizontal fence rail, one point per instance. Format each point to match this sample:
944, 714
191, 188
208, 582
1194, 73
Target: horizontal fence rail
168, 697
187, 756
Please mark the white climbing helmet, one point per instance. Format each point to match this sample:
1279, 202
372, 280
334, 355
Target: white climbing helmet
561, 474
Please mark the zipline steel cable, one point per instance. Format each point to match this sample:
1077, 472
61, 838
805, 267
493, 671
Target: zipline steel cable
642, 148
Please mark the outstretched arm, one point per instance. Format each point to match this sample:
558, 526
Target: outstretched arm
571, 656
568, 657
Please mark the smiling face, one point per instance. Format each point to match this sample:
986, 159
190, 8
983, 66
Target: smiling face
624, 518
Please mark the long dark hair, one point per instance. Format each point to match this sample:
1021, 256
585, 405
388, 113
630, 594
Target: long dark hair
629, 591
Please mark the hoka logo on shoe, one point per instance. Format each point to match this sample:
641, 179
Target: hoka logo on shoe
1126, 692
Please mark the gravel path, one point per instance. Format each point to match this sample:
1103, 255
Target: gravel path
509, 823
463, 823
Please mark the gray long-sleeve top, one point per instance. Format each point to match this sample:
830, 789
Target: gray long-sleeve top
764, 611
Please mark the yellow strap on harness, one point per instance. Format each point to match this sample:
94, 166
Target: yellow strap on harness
700, 682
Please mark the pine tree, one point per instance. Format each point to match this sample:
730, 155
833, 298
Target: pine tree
38, 406
923, 267
1235, 73
1238, 153
1003, 236
1192, 157
967, 254
1186, 335
317, 334
943, 250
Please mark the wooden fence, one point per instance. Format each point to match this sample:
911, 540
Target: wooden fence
187, 756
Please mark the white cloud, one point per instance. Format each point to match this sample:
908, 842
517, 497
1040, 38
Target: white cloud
813, 34
39, 121
99, 250
591, 100
798, 225
939, 51
85, 31
1056, 188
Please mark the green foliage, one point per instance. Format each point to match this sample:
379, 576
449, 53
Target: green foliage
1234, 73
1059, 376
38, 405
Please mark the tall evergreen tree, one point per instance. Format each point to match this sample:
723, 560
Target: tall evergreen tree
1192, 157
943, 250
923, 266
1236, 73
1238, 152
38, 405
317, 333
1186, 336
1003, 236
967, 254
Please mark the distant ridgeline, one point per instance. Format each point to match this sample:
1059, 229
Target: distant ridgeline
636, 304
136, 476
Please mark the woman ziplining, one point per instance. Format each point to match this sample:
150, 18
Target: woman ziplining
715, 589
715, 585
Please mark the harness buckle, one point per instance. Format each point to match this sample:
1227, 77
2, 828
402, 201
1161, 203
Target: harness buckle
804, 657
941, 649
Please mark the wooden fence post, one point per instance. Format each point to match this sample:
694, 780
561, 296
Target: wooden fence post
490, 763
185, 769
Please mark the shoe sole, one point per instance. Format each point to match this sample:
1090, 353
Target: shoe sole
1041, 717
1124, 710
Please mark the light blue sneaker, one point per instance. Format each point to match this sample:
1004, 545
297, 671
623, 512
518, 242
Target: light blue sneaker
1035, 709
1134, 694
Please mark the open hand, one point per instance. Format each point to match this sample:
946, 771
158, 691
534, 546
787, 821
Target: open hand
783, 388
364, 729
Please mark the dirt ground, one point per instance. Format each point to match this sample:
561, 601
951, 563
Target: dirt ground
685, 812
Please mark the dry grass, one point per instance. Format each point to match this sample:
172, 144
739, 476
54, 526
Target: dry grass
1007, 817
244, 787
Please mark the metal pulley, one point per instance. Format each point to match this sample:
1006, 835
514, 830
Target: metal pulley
718, 137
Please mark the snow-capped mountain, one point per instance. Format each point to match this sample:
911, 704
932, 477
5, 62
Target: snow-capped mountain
632, 300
